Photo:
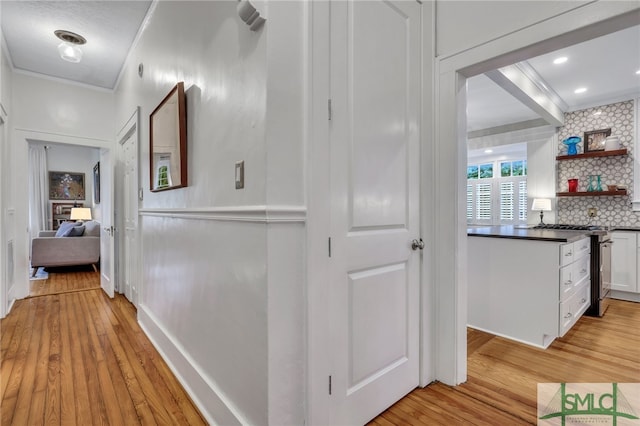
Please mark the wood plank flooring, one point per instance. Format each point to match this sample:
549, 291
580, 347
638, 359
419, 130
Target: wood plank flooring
65, 283
79, 358
503, 375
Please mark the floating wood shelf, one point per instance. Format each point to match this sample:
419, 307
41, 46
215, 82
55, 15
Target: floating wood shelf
593, 154
591, 193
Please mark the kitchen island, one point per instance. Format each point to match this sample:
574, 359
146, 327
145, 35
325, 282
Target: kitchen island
526, 284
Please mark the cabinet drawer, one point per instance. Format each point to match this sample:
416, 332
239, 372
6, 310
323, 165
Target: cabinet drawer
572, 309
581, 248
566, 254
581, 269
566, 282
566, 316
574, 275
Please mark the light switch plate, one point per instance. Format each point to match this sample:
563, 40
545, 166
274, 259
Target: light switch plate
240, 174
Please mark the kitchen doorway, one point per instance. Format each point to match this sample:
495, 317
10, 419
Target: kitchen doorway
450, 159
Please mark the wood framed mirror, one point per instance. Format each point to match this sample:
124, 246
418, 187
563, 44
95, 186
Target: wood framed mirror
168, 142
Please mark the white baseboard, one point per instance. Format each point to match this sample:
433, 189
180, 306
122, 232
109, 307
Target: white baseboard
625, 295
211, 402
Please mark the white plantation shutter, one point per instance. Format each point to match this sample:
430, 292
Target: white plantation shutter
469, 202
506, 201
497, 201
483, 201
522, 201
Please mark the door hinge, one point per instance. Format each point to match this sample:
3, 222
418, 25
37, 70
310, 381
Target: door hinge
329, 385
140, 194
329, 108
329, 246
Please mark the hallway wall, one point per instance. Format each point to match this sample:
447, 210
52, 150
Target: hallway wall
222, 291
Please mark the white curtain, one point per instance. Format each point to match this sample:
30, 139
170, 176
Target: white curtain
38, 193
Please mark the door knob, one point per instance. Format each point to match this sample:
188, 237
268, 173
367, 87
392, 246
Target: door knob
417, 244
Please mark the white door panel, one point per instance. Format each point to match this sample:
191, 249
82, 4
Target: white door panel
374, 288
107, 246
130, 151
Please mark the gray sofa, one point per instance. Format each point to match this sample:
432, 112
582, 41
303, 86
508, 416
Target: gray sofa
49, 250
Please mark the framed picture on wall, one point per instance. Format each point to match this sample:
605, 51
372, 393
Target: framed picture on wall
66, 186
594, 140
96, 183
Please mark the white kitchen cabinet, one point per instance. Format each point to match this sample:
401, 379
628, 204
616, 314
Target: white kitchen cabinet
530, 291
624, 261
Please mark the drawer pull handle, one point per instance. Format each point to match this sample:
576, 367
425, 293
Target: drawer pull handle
568, 282
569, 315
583, 300
583, 271
569, 253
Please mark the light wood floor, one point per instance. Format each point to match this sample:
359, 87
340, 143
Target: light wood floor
65, 283
503, 375
79, 358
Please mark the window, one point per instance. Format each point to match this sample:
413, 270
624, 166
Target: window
498, 198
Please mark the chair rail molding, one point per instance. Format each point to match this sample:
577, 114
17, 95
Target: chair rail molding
257, 214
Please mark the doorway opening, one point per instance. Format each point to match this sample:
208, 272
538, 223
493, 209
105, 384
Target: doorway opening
537, 133
63, 178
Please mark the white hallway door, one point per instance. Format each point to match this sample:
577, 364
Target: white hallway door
130, 207
107, 252
374, 144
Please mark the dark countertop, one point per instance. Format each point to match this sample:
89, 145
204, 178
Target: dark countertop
626, 228
511, 232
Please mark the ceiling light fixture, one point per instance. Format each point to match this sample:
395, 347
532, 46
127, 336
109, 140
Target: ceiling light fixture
560, 60
580, 90
488, 151
638, 72
68, 49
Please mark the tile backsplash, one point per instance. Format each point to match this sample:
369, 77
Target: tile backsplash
612, 210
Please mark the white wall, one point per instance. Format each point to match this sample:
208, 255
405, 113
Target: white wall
52, 106
7, 227
222, 289
77, 159
464, 24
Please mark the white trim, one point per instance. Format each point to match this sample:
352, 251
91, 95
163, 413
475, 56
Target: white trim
30, 135
207, 396
259, 214
136, 40
130, 126
625, 295
635, 204
317, 183
63, 80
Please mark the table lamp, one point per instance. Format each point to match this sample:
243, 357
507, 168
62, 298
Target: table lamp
542, 204
80, 213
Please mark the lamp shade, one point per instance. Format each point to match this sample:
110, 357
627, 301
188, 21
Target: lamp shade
541, 204
80, 213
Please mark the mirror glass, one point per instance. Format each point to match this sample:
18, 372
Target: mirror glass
168, 142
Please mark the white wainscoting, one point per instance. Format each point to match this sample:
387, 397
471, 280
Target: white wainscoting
218, 285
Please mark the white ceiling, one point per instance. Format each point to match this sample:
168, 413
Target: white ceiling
606, 66
110, 28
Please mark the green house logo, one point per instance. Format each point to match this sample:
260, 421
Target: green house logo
588, 403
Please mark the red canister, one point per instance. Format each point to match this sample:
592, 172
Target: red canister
573, 185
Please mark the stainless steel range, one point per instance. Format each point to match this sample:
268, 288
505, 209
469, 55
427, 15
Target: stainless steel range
600, 273
600, 264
